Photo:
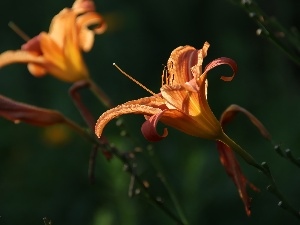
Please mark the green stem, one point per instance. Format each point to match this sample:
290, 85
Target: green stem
82, 132
168, 187
239, 150
264, 169
151, 197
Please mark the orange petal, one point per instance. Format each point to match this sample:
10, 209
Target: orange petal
179, 64
20, 56
202, 122
181, 61
36, 69
88, 24
178, 97
58, 27
53, 54
64, 62
131, 107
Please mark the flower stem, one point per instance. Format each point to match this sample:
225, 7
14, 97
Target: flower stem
239, 150
167, 186
264, 168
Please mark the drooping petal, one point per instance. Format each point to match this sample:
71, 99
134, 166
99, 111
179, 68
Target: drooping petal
142, 106
233, 170
149, 128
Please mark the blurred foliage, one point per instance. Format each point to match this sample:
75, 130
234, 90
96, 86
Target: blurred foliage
43, 172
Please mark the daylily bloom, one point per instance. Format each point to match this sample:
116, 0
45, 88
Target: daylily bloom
182, 102
58, 52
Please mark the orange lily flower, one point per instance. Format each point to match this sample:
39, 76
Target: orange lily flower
59, 51
182, 102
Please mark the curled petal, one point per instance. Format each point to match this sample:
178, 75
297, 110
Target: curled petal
126, 108
88, 24
221, 61
33, 45
149, 128
20, 112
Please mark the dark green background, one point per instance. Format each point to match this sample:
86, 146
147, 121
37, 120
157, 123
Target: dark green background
39, 178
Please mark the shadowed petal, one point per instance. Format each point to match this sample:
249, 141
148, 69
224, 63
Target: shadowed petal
233, 170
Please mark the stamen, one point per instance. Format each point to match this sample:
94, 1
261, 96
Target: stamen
134, 80
18, 31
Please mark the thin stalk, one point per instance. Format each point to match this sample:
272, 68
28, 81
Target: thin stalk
153, 200
270, 27
168, 187
265, 170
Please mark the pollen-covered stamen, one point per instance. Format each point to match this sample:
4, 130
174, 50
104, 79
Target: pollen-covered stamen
167, 78
134, 80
